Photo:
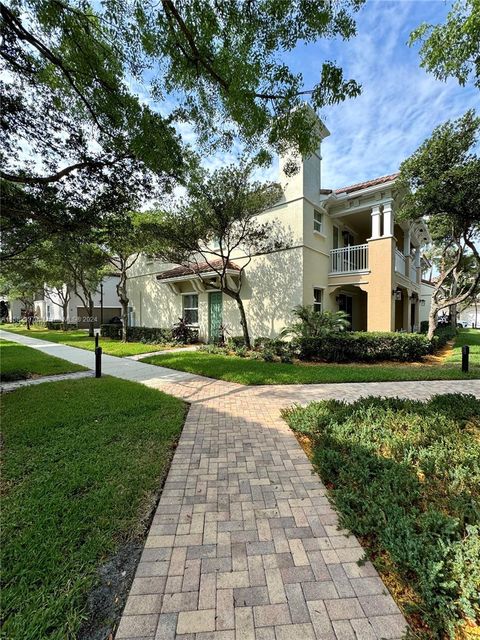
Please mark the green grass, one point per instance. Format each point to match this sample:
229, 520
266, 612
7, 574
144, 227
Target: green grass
469, 337
254, 372
83, 461
405, 477
81, 340
18, 362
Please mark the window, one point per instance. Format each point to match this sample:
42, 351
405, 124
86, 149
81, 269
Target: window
317, 299
318, 221
190, 308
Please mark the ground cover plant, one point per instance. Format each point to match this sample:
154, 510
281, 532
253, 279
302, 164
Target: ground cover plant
82, 340
18, 362
83, 462
267, 367
405, 477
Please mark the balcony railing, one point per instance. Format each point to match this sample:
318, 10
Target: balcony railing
399, 262
348, 259
414, 273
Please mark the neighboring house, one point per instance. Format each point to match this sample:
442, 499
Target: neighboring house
49, 307
346, 251
470, 317
426, 293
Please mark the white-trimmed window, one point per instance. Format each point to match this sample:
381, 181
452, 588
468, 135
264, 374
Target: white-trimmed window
318, 221
190, 308
317, 299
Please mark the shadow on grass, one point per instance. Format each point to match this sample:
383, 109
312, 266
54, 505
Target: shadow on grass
405, 477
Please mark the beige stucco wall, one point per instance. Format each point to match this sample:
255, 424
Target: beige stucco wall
381, 303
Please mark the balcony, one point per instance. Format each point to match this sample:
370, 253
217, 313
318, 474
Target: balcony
351, 259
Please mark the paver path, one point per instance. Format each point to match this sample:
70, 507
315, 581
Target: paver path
244, 544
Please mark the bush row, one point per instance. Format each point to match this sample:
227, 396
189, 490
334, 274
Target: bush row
147, 335
365, 347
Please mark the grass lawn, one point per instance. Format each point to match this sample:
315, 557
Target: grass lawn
405, 478
18, 362
80, 339
82, 466
246, 371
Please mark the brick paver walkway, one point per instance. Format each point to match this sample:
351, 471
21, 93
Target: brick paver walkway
244, 544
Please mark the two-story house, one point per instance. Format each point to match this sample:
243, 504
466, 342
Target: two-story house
346, 251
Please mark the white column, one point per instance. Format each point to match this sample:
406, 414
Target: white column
406, 243
375, 222
387, 220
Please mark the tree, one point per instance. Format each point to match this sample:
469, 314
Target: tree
70, 68
218, 225
442, 179
122, 240
452, 49
85, 263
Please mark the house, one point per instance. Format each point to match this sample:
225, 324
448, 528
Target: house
346, 250
48, 307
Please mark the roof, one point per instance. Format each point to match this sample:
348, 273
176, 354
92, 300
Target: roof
196, 269
369, 183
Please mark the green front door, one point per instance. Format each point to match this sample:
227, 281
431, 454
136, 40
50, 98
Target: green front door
215, 315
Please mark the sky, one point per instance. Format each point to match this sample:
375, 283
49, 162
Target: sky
400, 102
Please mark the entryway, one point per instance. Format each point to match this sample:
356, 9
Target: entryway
215, 316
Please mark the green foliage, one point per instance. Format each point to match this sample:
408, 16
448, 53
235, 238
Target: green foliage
442, 335
314, 324
452, 49
113, 331
19, 363
82, 465
405, 476
365, 347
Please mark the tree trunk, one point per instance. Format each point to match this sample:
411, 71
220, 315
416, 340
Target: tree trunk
432, 322
122, 296
453, 316
243, 320
65, 314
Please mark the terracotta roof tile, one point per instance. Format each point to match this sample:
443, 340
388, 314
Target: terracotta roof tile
369, 183
201, 267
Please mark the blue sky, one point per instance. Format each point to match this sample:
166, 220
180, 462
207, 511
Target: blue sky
400, 103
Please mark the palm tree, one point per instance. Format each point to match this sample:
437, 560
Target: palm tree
315, 324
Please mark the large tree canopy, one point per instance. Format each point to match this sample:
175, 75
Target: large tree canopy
452, 49
442, 180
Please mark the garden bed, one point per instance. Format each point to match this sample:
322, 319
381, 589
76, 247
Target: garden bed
405, 478
83, 465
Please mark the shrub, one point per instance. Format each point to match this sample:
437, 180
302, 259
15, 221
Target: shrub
268, 356
57, 325
365, 347
183, 333
149, 335
241, 351
236, 341
424, 326
443, 333
113, 331
405, 475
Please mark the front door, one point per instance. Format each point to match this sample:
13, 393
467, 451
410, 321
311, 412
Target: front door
345, 303
215, 316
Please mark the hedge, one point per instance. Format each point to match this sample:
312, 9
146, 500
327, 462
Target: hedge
113, 331
365, 347
150, 334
